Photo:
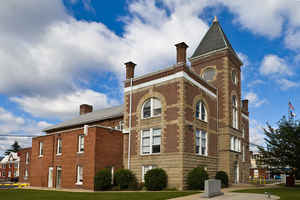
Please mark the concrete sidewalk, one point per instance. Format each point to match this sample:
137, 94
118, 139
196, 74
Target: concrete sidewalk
229, 196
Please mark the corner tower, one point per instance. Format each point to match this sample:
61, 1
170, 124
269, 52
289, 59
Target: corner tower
216, 62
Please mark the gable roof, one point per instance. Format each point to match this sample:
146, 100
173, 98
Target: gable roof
11, 157
214, 39
98, 115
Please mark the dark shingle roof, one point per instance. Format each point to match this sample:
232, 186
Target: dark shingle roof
214, 39
98, 115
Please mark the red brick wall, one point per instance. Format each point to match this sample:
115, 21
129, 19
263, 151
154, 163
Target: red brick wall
98, 144
23, 166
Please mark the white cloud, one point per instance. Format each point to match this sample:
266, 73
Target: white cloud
10, 124
254, 100
274, 65
292, 40
287, 84
267, 18
256, 134
65, 105
255, 83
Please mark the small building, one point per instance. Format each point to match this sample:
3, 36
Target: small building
25, 160
9, 167
72, 152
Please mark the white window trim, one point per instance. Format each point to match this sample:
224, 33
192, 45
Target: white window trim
244, 152
200, 110
151, 140
57, 148
26, 174
235, 120
143, 170
79, 151
27, 158
41, 149
151, 108
200, 142
78, 182
235, 144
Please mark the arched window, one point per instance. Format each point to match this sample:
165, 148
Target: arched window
151, 108
234, 112
201, 112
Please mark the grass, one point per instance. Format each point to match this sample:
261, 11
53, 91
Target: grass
285, 193
57, 195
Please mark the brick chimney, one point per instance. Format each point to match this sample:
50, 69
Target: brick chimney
130, 70
181, 53
85, 108
245, 104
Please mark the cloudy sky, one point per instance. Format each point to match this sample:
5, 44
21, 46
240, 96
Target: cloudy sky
56, 55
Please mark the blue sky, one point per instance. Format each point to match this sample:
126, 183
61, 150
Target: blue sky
70, 52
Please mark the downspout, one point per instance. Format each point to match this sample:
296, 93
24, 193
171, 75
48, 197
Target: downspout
129, 133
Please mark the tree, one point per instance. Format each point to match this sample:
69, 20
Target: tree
15, 147
282, 144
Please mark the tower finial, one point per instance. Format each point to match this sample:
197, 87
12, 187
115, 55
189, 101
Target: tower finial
215, 19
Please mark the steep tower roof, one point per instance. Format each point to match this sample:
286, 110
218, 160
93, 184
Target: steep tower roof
215, 39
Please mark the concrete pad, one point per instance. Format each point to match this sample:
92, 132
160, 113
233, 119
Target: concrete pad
229, 196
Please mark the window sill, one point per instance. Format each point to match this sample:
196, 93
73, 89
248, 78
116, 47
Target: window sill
40, 156
80, 183
205, 121
80, 152
150, 154
59, 154
152, 117
205, 155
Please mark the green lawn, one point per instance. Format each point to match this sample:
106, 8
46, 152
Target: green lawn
285, 193
19, 194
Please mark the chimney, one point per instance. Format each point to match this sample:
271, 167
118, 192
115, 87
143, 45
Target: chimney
245, 104
181, 53
85, 108
130, 70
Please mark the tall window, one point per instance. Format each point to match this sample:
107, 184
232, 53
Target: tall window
243, 153
243, 132
150, 141
79, 175
27, 158
81, 143
201, 111
234, 112
41, 153
145, 169
201, 142
59, 146
235, 144
26, 174
151, 108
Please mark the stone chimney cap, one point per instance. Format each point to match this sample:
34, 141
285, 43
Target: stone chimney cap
130, 63
182, 45
215, 19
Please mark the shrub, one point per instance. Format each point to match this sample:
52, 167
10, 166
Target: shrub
156, 179
103, 180
196, 178
125, 179
221, 175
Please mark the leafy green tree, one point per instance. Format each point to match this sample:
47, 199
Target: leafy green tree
282, 144
15, 147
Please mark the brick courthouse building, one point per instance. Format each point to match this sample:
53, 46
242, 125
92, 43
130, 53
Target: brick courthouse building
177, 119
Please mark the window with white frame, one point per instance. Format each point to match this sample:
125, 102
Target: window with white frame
151, 108
27, 158
243, 132
16, 165
201, 142
3, 173
150, 141
3, 166
235, 144
201, 112
41, 152
81, 143
9, 173
234, 112
59, 146
244, 153
26, 174
79, 175
145, 169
